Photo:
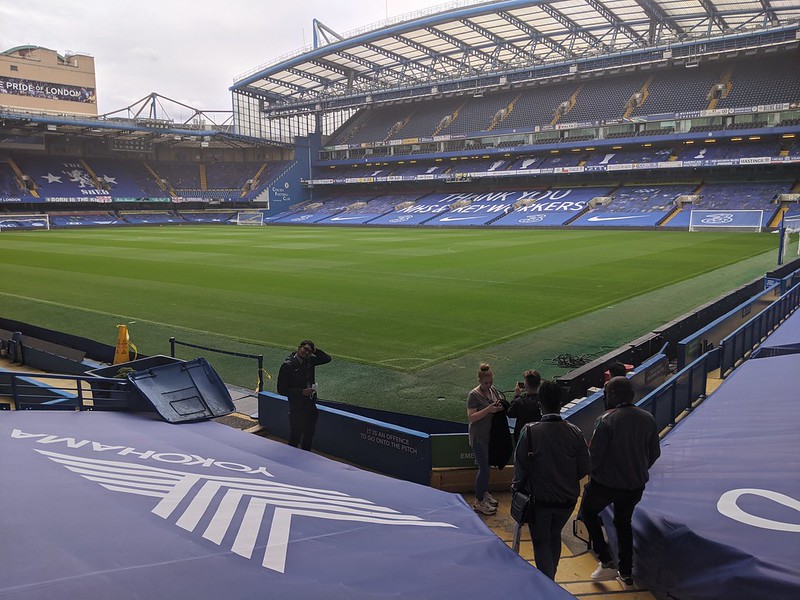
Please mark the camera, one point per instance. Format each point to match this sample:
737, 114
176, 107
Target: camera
521, 384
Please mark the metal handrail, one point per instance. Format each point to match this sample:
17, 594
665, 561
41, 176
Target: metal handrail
40, 391
741, 342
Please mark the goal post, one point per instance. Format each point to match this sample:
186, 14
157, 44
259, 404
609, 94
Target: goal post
10, 222
250, 217
729, 220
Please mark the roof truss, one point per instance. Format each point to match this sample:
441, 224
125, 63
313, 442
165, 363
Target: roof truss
500, 37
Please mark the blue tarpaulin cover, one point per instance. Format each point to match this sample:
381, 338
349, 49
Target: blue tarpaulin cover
785, 339
721, 514
119, 505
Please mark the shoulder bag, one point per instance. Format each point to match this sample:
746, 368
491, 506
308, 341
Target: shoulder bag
522, 504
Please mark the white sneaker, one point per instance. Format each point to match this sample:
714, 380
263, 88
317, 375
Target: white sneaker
487, 509
604, 572
489, 499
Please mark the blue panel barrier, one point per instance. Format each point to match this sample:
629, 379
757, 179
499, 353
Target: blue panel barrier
679, 393
377, 445
744, 339
706, 338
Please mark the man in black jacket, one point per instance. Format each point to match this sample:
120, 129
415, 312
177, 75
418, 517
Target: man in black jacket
525, 407
623, 448
549, 463
297, 381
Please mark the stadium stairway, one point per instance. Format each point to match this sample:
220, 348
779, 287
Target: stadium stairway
776, 220
93, 175
675, 211
21, 177
203, 177
576, 565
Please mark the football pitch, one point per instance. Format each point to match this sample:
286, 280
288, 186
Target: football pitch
391, 305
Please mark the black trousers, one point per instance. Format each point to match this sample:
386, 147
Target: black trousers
546, 537
303, 415
596, 497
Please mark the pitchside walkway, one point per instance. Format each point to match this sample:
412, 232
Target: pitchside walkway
577, 563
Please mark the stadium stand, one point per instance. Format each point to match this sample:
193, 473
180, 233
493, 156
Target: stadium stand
732, 196
84, 219
687, 88
549, 208
177, 175
757, 82
127, 178
150, 218
634, 206
360, 210
643, 156
208, 216
761, 81
556, 130
63, 177
10, 185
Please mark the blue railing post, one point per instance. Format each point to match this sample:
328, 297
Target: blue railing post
79, 393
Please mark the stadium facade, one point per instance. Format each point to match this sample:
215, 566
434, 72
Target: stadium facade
39, 79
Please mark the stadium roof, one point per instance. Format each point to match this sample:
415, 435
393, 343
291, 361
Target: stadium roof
146, 120
470, 40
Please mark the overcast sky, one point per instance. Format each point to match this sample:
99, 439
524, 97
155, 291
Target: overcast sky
187, 50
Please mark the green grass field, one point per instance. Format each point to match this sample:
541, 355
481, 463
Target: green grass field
393, 306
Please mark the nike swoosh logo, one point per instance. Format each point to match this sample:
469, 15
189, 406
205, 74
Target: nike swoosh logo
344, 218
596, 219
446, 219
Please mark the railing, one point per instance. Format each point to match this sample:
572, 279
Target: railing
702, 339
738, 344
37, 391
258, 357
679, 393
688, 385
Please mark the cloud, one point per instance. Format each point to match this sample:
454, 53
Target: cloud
181, 48
144, 53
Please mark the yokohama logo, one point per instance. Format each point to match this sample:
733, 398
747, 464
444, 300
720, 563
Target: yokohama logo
188, 499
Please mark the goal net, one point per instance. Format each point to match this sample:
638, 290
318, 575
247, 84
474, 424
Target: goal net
250, 218
790, 239
17, 222
729, 220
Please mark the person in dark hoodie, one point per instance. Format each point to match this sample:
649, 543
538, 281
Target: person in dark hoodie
624, 446
297, 381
